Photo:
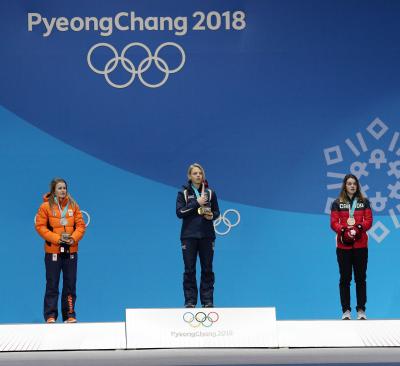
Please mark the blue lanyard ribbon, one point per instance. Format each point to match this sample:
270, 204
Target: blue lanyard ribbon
196, 192
353, 208
63, 213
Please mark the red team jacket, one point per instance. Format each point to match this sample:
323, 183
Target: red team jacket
362, 215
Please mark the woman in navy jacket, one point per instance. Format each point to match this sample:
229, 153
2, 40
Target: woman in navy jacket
197, 206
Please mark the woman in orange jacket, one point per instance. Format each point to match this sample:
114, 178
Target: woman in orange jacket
60, 223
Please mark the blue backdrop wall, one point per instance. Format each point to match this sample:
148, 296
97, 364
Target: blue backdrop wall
277, 99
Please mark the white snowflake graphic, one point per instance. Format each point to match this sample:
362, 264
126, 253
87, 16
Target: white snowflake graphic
384, 159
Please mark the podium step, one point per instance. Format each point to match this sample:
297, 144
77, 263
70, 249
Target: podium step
61, 337
200, 328
197, 328
339, 333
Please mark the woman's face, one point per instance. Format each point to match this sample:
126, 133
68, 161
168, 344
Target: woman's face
196, 176
61, 190
351, 186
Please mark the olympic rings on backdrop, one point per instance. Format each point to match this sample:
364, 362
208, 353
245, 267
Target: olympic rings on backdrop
200, 318
88, 217
83, 212
138, 70
226, 221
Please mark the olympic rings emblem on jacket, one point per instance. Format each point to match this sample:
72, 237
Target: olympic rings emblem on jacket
227, 222
200, 318
143, 66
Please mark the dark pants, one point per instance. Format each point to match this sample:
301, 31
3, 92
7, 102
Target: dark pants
349, 260
67, 263
205, 249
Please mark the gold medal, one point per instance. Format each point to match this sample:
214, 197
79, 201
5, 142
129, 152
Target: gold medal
204, 210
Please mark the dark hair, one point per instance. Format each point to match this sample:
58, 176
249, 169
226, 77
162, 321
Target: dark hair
343, 197
52, 193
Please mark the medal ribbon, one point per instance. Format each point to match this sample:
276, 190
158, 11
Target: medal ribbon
63, 213
196, 192
353, 208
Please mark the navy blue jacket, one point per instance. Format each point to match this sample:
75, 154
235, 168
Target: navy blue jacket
195, 226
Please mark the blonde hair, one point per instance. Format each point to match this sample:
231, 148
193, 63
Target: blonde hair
52, 193
196, 165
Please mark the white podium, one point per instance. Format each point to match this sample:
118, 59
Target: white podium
192, 328
338, 333
200, 328
62, 337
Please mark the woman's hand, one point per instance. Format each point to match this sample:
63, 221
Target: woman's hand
71, 241
202, 200
208, 216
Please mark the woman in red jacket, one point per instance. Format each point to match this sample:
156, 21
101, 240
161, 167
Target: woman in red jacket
351, 217
59, 222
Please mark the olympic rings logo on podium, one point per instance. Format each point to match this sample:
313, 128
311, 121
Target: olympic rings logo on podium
226, 221
143, 66
200, 319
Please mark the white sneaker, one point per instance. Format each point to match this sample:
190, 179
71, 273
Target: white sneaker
70, 320
346, 315
361, 315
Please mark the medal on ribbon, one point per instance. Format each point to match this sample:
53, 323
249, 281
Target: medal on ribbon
202, 209
63, 213
351, 220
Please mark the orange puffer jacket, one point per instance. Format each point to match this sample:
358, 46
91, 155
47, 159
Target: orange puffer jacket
48, 225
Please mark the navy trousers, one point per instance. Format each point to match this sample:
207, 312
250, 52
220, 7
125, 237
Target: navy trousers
205, 249
353, 260
55, 264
